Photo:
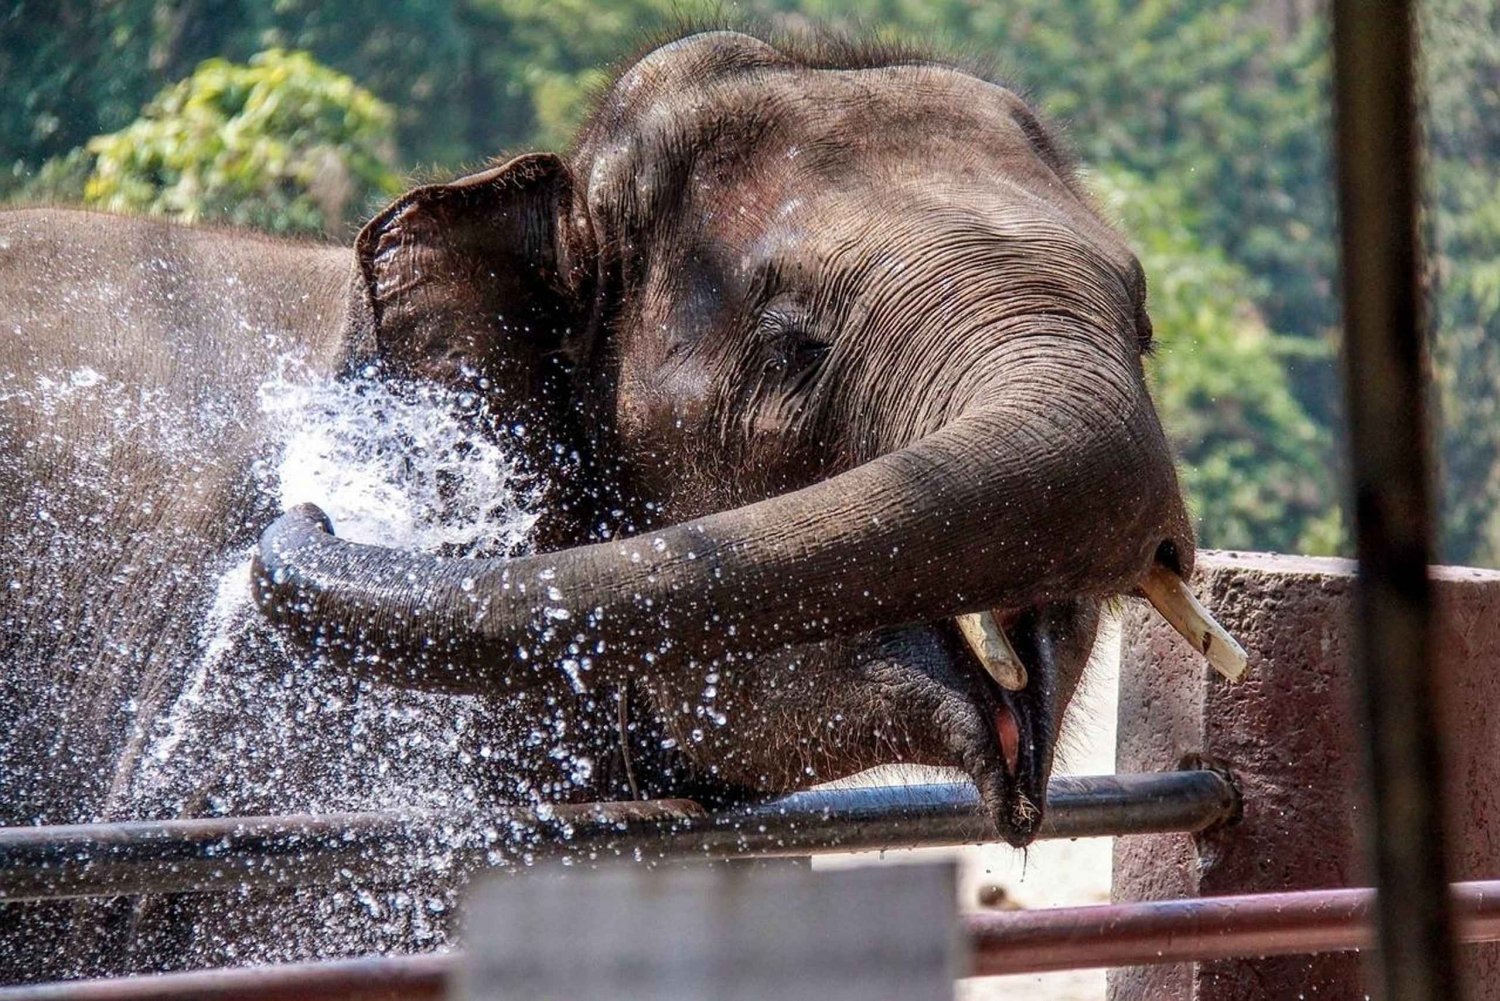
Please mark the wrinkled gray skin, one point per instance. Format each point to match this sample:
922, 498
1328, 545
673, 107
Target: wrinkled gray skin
855, 305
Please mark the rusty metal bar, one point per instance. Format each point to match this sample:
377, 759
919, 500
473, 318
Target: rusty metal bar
376, 978
387, 848
1199, 930
1065, 938
1377, 145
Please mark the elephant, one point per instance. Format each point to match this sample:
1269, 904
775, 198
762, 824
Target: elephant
828, 376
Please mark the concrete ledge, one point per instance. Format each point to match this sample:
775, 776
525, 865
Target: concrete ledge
1290, 735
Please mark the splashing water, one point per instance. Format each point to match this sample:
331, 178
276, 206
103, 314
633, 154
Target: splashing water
416, 468
408, 468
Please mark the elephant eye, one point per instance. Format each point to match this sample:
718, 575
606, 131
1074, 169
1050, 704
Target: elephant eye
803, 350
1145, 335
792, 350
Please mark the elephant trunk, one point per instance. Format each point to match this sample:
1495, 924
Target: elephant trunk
1054, 481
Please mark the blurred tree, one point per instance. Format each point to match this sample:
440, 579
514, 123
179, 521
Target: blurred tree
1252, 460
1466, 355
281, 144
76, 68
72, 69
1462, 76
412, 54
548, 57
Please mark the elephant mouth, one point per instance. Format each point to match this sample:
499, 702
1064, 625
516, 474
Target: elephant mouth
1022, 655
1014, 659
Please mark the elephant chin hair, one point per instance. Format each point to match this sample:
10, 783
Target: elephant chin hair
1001, 508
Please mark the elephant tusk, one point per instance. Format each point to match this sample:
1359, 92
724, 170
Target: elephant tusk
1170, 596
987, 640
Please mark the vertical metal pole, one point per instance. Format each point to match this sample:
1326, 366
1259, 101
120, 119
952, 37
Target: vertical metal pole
1378, 191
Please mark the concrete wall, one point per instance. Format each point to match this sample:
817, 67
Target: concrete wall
1289, 733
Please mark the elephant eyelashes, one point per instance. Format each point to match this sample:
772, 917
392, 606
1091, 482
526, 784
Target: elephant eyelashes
807, 353
1145, 335
797, 362
793, 351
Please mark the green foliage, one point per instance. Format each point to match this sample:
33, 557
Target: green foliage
1466, 356
1462, 73
72, 69
76, 68
1251, 459
413, 54
282, 144
548, 58
60, 181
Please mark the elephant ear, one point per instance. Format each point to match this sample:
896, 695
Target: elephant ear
477, 278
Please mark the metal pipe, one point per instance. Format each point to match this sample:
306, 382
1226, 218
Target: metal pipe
1377, 145
1171, 931
374, 978
177, 856
1181, 931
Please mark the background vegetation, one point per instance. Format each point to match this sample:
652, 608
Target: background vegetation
1203, 123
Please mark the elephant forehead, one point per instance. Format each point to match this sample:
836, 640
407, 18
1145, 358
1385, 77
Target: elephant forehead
686, 63
775, 165
842, 126
883, 107
966, 228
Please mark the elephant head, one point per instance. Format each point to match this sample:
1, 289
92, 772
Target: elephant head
854, 369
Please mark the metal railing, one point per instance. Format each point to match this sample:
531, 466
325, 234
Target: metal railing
1017, 942
177, 856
